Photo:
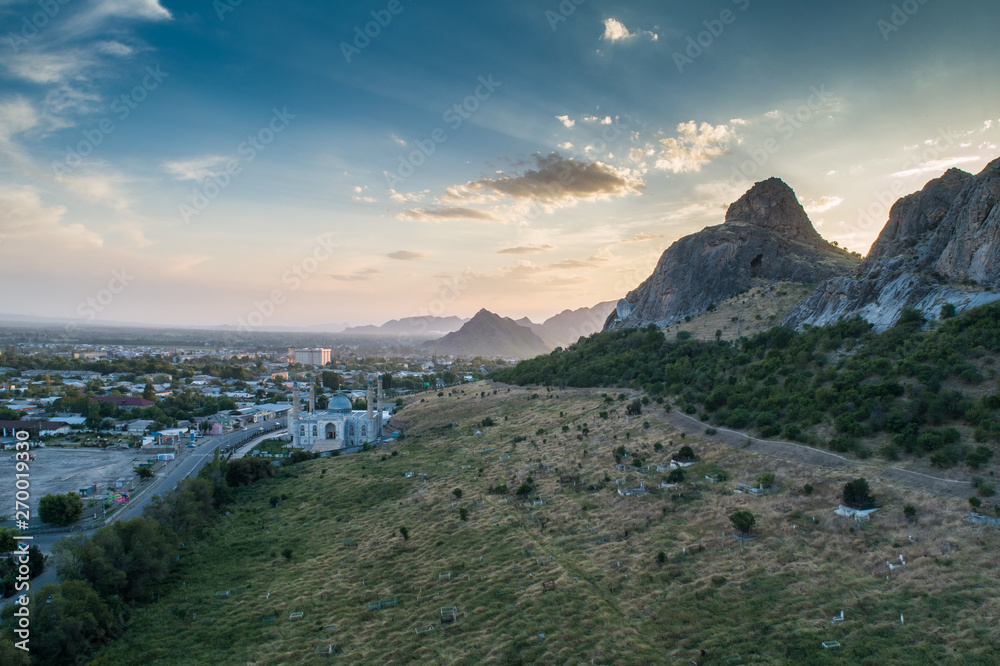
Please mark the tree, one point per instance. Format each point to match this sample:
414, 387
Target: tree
686, 454
144, 472
457, 492
743, 520
331, 380
676, 476
405, 533
75, 620
910, 512
149, 393
463, 514
765, 480
857, 495
60, 510
634, 408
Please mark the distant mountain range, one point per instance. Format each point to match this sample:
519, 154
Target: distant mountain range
418, 327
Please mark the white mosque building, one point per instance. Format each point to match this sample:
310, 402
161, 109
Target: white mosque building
338, 426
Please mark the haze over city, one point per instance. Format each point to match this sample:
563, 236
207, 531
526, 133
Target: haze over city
354, 163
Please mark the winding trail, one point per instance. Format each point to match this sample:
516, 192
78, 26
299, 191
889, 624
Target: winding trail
807, 455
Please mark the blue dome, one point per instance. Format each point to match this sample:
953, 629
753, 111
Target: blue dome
339, 403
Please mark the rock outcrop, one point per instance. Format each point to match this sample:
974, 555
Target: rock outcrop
940, 245
766, 236
491, 336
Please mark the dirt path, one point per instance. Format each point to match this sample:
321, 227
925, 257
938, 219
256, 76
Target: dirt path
807, 455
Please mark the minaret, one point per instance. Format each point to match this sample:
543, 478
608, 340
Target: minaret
378, 406
312, 397
295, 401
370, 400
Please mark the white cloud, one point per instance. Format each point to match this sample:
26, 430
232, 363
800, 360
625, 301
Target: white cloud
694, 147
198, 168
25, 219
615, 31
114, 48
822, 205
566, 120
565, 145
397, 139
17, 115
97, 187
935, 166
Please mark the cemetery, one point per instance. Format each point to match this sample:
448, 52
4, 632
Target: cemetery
519, 544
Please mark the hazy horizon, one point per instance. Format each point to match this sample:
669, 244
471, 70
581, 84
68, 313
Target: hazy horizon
199, 164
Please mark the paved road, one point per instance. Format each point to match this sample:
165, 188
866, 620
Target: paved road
191, 464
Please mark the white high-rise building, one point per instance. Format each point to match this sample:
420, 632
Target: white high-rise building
317, 356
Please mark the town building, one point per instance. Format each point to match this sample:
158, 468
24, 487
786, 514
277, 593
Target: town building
338, 426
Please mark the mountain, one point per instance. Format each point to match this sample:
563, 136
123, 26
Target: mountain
490, 335
940, 245
568, 326
766, 236
423, 327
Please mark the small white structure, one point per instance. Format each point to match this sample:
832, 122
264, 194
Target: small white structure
856, 514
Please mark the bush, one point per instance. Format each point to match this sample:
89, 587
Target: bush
60, 510
287, 553
686, 454
525, 489
765, 480
274, 501
661, 557
986, 490
676, 476
634, 408
405, 533
144, 472
947, 311
457, 492
463, 514
807, 489
743, 520
711, 431
975, 502
857, 495
910, 511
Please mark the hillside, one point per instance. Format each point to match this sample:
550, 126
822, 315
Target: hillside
490, 336
941, 246
766, 236
576, 574
905, 392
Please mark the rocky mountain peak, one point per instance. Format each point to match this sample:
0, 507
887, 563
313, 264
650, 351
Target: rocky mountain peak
771, 204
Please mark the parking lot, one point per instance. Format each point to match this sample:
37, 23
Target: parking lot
62, 470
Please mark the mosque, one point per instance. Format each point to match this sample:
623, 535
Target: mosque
338, 426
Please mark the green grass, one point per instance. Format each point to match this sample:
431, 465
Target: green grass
771, 603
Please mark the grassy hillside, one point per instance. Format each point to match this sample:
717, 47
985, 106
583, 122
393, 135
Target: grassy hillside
757, 310
905, 392
577, 577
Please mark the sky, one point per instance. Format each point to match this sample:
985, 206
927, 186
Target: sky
263, 164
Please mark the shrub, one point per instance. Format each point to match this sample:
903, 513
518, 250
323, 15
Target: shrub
405, 533
60, 510
743, 520
676, 476
947, 311
711, 431
274, 501
634, 408
807, 489
658, 446
525, 489
686, 454
457, 492
765, 480
975, 502
910, 511
144, 472
463, 514
857, 495
986, 490
661, 557
287, 553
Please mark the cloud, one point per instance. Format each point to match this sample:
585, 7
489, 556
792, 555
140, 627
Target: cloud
445, 213
101, 10
198, 168
642, 237
397, 139
96, 185
406, 255
526, 249
408, 197
359, 275
822, 205
25, 219
360, 196
695, 146
566, 120
935, 166
615, 31
565, 145
17, 115
558, 180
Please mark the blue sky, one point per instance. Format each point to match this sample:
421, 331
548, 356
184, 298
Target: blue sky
271, 163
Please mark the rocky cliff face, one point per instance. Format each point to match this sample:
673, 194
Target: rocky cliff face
767, 235
940, 245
